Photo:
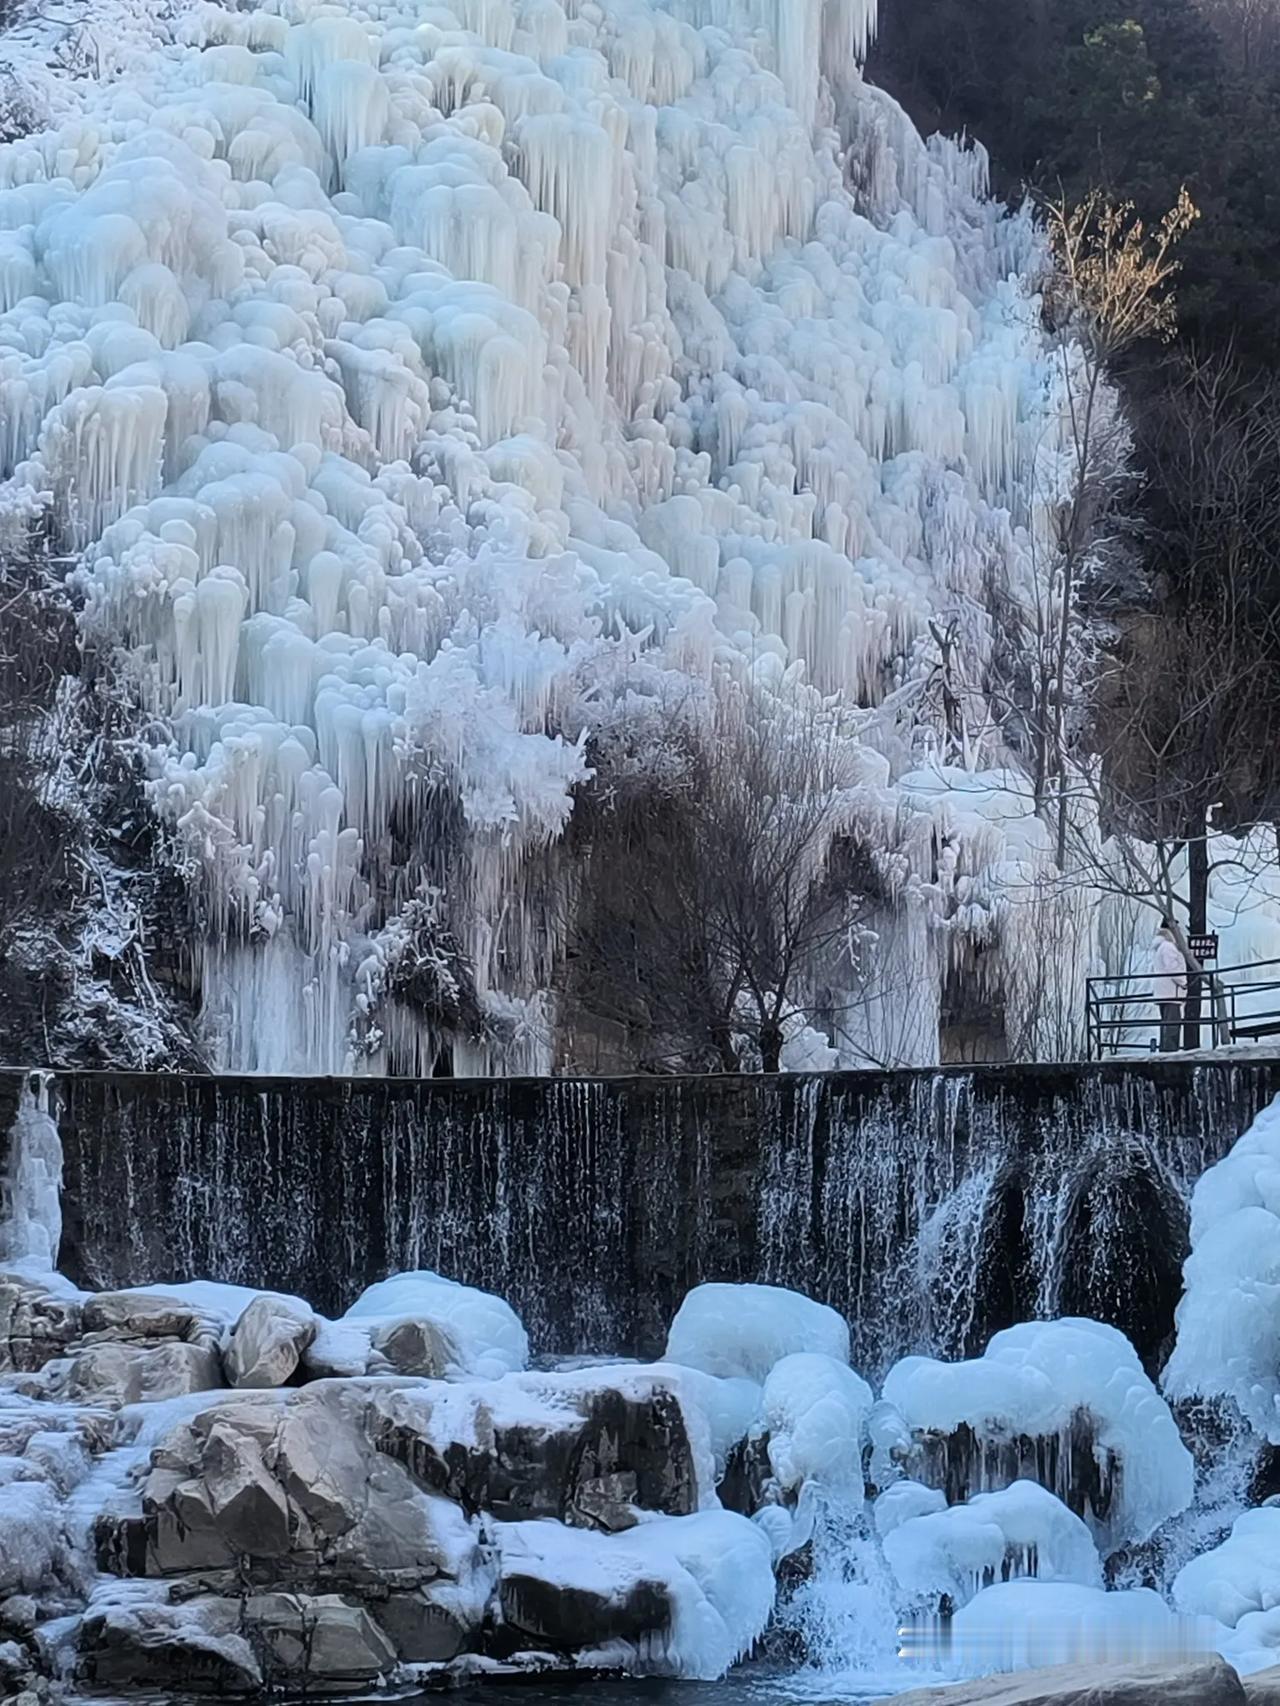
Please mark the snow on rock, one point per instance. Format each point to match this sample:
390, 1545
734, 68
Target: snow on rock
1066, 1403
423, 1324
1022, 1625
730, 1410
903, 1501
743, 1331
815, 1412
214, 1301
268, 1342
153, 1645
597, 1445
424, 392
1228, 1321
31, 1543
1020, 1531
709, 1577
1239, 1577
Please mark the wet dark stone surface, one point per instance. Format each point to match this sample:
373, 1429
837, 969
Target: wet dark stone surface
931, 1207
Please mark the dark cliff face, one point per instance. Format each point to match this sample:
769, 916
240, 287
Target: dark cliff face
932, 1208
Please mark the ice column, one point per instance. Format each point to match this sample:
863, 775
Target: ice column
31, 1214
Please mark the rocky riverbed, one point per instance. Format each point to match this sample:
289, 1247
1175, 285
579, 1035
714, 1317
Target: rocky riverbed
205, 1489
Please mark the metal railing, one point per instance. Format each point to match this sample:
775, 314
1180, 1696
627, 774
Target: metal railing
1116, 1006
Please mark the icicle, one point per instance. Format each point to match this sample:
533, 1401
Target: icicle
31, 1210
404, 378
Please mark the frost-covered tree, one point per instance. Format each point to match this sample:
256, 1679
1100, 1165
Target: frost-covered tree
715, 892
90, 962
37, 645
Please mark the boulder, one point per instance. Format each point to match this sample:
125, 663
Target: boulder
268, 1342
209, 1500
1064, 1403
144, 1316
587, 1448
1208, 1681
18, 1614
197, 1646
1263, 1687
686, 1596
542, 1613
235, 1496
36, 1324
415, 1347
483, 1333
321, 1458
316, 1641
394, 1540
15, 1664
54, 1445
294, 1485
429, 1625
113, 1372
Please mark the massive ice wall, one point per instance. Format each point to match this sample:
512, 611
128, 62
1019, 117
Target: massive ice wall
430, 386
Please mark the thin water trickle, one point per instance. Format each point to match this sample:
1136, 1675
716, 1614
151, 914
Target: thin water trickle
931, 1209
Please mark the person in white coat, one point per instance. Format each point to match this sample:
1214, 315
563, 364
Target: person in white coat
1169, 973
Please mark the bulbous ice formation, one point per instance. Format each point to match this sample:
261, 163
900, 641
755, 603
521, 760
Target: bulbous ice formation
425, 386
1228, 1341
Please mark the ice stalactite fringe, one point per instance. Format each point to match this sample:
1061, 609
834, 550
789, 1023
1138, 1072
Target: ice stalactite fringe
31, 1206
429, 392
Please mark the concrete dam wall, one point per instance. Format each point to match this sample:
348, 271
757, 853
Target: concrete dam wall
931, 1207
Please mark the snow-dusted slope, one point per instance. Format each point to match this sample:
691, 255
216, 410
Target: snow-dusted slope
429, 386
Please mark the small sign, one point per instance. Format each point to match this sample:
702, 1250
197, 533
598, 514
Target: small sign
1203, 948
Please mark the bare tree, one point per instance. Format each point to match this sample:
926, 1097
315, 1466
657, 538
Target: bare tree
1108, 291
1249, 31
1192, 708
707, 905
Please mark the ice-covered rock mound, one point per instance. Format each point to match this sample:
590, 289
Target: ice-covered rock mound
435, 390
163, 1527
744, 1331
957, 1550
1064, 1403
1228, 1322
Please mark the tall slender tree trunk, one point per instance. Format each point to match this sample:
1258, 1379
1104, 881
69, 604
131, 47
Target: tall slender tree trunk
771, 1047
722, 1036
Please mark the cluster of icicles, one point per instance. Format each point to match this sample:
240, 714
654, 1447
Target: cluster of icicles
428, 382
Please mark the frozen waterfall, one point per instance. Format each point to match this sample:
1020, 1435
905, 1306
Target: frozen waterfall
31, 1185
430, 388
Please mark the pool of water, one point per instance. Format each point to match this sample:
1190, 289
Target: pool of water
751, 1686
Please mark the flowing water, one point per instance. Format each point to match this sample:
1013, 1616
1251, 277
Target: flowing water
931, 1208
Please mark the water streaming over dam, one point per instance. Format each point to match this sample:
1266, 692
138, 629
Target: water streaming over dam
930, 1207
